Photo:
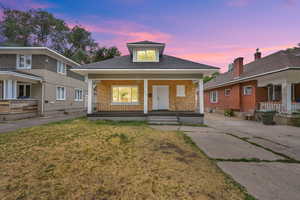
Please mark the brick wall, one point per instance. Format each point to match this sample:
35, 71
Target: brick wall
236, 100
187, 103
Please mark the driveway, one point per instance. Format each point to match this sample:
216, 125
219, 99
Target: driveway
264, 159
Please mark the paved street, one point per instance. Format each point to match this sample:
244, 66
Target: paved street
255, 155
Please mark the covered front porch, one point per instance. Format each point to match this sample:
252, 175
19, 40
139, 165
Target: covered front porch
280, 92
19, 95
146, 99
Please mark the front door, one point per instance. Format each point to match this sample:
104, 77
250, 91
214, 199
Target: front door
160, 97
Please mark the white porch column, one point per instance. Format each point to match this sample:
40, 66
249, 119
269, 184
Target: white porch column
287, 96
90, 96
201, 96
9, 89
145, 96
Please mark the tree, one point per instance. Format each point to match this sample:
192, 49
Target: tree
41, 28
208, 78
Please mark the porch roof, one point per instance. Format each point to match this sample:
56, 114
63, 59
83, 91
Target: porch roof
20, 76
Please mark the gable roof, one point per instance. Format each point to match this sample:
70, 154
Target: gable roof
279, 61
38, 50
146, 42
125, 62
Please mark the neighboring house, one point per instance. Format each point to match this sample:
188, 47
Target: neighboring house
271, 83
136, 85
38, 81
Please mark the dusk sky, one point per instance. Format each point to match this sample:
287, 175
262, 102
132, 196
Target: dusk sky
207, 31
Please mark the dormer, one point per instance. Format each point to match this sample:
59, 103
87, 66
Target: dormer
145, 51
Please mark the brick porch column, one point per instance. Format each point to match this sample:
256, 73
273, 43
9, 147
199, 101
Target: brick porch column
145, 96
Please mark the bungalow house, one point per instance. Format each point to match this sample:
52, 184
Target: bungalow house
37, 81
146, 84
270, 83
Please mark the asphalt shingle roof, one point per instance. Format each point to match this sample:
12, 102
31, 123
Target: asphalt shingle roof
125, 62
273, 62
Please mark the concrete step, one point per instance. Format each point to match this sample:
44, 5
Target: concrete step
163, 120
162, 123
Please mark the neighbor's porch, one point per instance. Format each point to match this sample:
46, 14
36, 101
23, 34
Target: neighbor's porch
280, 93
19, 95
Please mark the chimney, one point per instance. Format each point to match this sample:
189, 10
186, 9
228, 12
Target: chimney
238, 67
257, 55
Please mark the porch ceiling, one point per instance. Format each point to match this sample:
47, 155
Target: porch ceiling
291, 76
4, 75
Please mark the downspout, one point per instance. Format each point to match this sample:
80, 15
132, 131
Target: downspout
43, 98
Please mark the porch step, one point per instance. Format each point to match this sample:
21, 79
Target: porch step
162, 120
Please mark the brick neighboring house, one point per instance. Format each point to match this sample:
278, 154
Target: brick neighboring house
38, 81
144, 84
269, 83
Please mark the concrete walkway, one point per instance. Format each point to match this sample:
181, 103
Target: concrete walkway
8, 126
255, 155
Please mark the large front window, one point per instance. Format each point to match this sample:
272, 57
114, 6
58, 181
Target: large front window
24, 91
146, 55
125, 94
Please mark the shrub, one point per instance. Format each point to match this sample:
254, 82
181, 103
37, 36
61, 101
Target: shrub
228, 113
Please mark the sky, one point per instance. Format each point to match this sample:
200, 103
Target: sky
212, 32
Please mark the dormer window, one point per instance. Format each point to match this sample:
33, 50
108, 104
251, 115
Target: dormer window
146, 55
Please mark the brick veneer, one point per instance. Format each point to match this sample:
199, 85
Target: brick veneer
187, 103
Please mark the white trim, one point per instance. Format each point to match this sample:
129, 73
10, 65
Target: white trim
20, 75
201, 96
226, 89
144, 69
127, 79
11, 91
57, 93
90, 96
40, 48
244, 90
26, 56
78, 89
60, 64
211, 93
145, 96
250, 77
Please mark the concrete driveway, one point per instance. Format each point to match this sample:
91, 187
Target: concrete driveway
264, 159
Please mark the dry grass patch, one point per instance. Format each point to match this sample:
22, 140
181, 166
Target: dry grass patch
81, 159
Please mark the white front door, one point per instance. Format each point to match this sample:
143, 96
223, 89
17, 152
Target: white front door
160, 97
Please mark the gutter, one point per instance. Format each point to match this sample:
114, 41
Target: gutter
250, 77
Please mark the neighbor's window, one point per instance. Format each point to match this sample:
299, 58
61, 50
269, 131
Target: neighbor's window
61, 67
227, 92
146, 55
78, 95
60, 93
24, 91
248, 90
180, 91
125, 94
24, 61
214, 96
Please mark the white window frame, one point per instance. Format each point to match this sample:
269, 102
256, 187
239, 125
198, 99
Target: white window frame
135, 57
61, 67
180, 90
213, 94
225, 92
25, 65
245, 90
124, 103
78, 96
24, 89
58, 95
9, 89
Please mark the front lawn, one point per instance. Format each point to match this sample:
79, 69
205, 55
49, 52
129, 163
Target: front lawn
80, 159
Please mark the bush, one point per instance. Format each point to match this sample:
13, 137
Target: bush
228, 113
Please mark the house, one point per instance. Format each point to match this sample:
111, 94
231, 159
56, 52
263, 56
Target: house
144, 84
38, 81
270, 83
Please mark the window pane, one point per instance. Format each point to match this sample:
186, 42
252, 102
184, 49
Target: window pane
21, 91
124, 94
151, 55
115, 94
134, 93
27, 91
146, 55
